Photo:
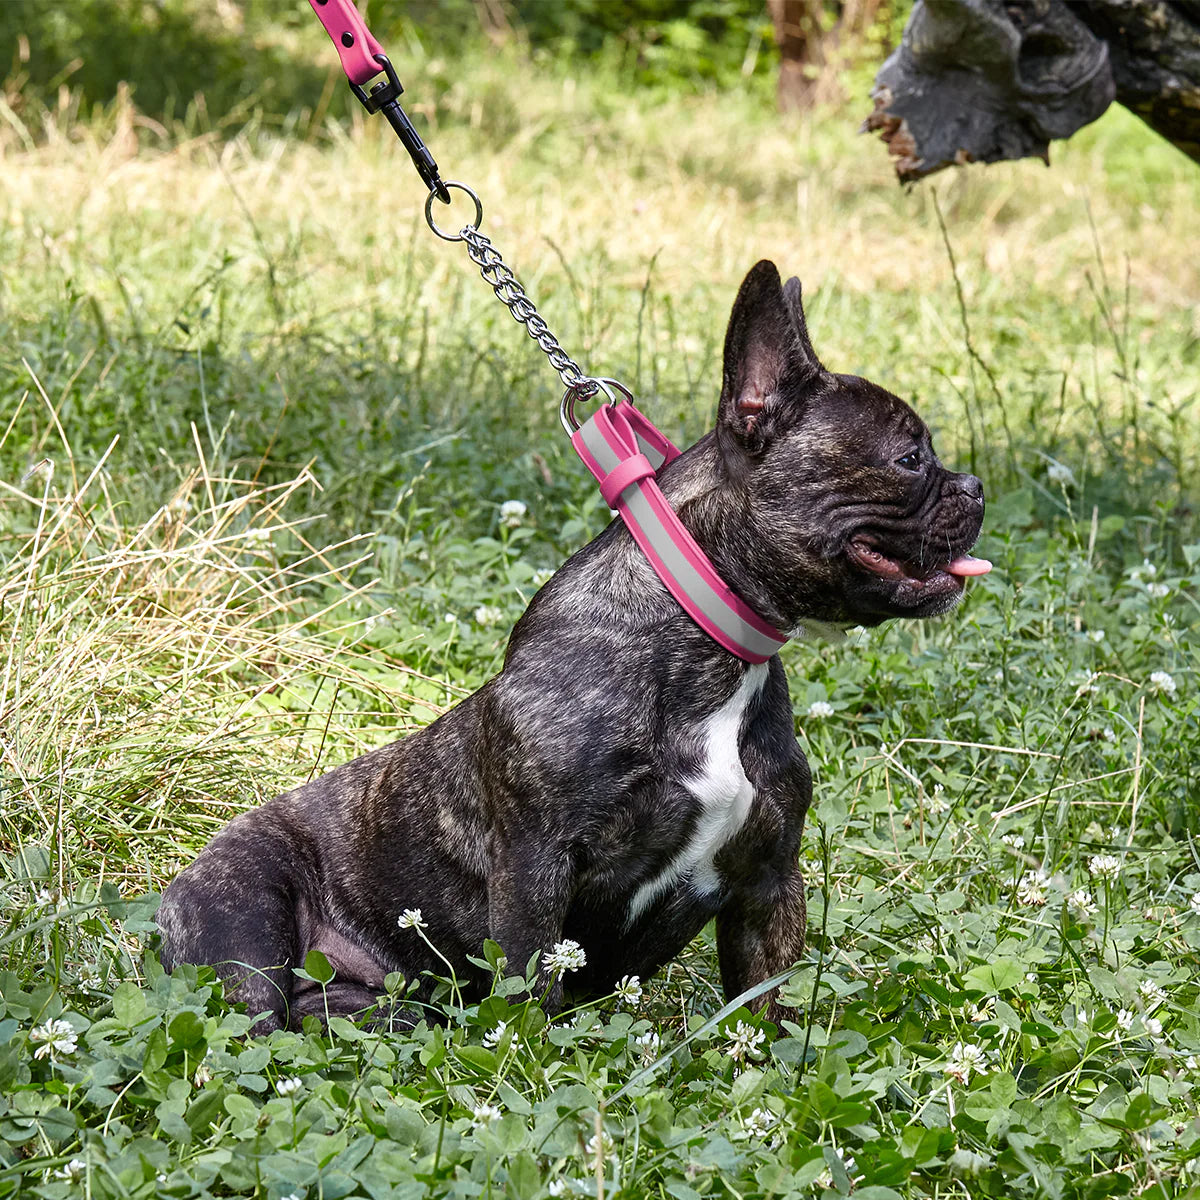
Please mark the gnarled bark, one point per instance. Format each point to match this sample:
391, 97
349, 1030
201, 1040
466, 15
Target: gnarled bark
986, 80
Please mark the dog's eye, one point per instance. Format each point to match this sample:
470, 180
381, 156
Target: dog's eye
911, 461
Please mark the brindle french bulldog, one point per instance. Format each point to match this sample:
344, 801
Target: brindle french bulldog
624, 779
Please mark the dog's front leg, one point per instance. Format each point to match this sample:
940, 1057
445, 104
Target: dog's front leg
528, 895
760, 932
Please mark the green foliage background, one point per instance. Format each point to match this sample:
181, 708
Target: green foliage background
239, 54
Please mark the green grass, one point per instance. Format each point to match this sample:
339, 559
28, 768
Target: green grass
290, 553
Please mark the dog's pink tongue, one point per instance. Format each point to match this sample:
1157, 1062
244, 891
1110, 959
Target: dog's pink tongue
968, 566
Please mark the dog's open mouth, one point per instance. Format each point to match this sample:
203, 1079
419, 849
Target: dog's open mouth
933, 575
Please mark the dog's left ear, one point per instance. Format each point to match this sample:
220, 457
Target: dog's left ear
769, 362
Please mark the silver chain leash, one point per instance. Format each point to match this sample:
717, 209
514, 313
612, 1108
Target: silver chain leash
497, 275
511, 294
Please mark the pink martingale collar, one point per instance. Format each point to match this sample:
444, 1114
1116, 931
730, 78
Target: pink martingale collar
624, 450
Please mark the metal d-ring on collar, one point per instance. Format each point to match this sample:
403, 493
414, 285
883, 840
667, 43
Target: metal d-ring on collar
566, 410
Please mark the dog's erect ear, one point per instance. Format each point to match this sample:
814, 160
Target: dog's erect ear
768, 358
791, 297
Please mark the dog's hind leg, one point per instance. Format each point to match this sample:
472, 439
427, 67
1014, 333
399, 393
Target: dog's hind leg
239, 908
357, 984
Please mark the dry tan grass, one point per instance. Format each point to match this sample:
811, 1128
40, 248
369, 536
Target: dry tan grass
161, 677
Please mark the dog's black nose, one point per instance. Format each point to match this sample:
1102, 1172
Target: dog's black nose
971, 486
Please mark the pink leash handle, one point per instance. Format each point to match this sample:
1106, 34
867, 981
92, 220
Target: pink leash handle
351, 38
623, 450
362, 59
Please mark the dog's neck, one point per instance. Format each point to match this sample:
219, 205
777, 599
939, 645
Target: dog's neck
716, 512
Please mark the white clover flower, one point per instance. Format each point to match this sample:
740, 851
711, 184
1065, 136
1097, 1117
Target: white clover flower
411, 918
541, 577
1162, 683
202, 1076
937, 801
512, 513
1087, 685
1032, 889
1194, 903
966, 1057
849, 1165
1192, 1063
293, 1196
288, 1086
1146, 571
629, 989
557, 1187
824, 1181
1152, 994
450, 619
1153, 1026
56, 1037
1096, 635
1060, 473
488, 614
492, 1037
746, 1042
566, 955
482, 1115
599, 1144
1081, 905
1158, 591
256, 538
647, 1045
759, 1123
53, 896
820, 708
1104, 866
1107, 735
1014, 840
1124, 1020
73, 1170
1082, 1016
975, 1013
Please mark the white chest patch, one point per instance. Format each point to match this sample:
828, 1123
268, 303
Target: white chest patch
724, 793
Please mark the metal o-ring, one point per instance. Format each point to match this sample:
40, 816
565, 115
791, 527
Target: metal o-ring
608, 384
452, 237
566, 412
